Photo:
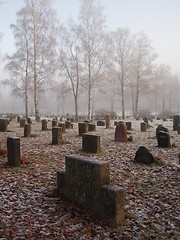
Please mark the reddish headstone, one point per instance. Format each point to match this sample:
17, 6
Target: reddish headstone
121, 133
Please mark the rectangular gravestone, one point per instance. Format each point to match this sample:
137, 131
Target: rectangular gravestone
87, 182
176, 122
91, 143
83, 128
3, 125
13, 149
27, 130
44, 125
91, 127
22, 122
163, 139
143, 127
56, 135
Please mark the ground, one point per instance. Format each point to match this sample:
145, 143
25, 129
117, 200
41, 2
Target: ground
31, 209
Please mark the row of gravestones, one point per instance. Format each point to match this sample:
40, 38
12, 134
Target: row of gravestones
84, 181
97, 194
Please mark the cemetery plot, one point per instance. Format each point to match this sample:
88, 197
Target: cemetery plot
31, 207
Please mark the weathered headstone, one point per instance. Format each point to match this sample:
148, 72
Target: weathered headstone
83, 128
161, 128
22, 122
143, 127
91, 143
100, 123
3, 125
91, 127
87, 182
108, 122
176, 122
13, 149
143, 156
163, 139
121, 133
63, 126
27, 130
129, 126
44, 125
56, 135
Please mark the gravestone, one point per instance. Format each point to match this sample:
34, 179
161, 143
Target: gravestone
176, 122
22, 122
54, 123
87, 182
163, 139
161, 128
68, 124
108, 122
18, 119
3, 125
101, 123
143, 156
27, 130
63, 126
29, 120
44, 125
83, 128
91, 143
146, 120
13, 149
129, 126
91, 127
143, 127
121, 133
56, 136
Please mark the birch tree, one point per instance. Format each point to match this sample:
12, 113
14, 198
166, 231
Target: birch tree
92, 23
122, 52
44, 33
18, 64
142, 65
70, 55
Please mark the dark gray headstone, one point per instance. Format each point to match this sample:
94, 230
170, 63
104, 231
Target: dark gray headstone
44, 125
161, 128
176, 122
83, 128
163, 139
91, 143
143, 156
3, 125
143, 127
13, 149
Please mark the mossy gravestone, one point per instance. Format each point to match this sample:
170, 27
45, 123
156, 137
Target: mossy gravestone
83, 128
163, 139
27, 130
87, 182
44, 125
56, 136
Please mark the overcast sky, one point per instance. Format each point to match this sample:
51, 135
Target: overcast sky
159, 19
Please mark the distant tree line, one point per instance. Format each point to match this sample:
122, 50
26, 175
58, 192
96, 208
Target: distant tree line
84, 56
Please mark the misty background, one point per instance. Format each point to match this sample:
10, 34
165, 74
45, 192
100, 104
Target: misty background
160, 87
